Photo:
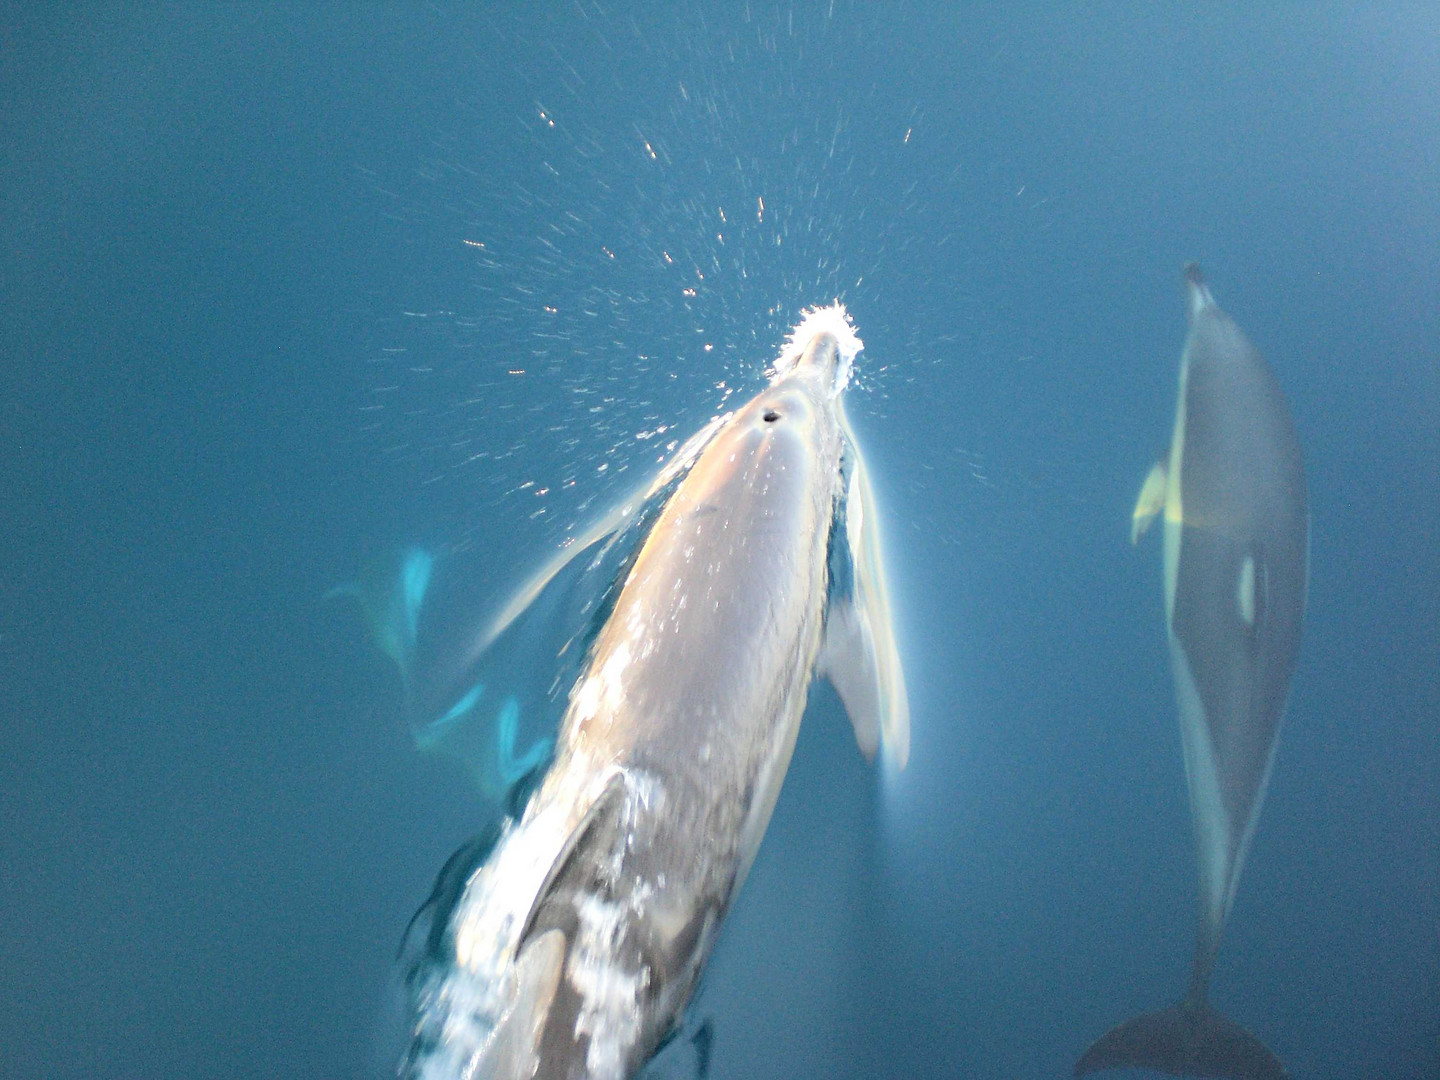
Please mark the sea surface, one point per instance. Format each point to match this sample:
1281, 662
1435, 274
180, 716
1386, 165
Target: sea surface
286, 289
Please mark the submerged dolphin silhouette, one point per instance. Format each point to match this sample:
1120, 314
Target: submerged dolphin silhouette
1236, 555
572, 948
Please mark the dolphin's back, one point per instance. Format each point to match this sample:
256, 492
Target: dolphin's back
1241, 575
716, 630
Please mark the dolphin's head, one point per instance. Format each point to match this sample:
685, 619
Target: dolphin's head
822, 355
824, 343
1197, 294
782, 428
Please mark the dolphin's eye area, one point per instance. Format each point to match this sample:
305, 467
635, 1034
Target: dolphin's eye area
770, 416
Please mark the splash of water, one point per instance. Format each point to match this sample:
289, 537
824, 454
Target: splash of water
832, 319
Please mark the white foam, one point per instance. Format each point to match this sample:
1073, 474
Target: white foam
610, 1011
832, 319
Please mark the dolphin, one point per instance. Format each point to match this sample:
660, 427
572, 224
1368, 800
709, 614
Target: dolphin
1237, 538
569, 945
393, 605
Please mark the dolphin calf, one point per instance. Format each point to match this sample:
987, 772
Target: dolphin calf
1236, 534
568, 945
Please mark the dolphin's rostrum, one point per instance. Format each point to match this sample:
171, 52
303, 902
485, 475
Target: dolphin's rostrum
571, 948
1236, 554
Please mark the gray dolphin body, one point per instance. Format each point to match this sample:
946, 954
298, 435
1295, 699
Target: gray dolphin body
1236, 555
573, 948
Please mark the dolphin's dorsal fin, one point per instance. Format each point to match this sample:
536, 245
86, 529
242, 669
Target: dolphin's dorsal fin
858, 654
600, 822
1150, 503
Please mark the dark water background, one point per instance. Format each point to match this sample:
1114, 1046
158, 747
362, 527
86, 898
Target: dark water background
247, 347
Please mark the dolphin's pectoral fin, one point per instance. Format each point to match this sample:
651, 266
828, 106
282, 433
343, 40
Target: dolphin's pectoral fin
847, 659
847, 652
1189, 1039
1150, 502
483, 739
506, 777
859, 655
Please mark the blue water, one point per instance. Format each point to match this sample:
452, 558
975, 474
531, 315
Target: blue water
265, 279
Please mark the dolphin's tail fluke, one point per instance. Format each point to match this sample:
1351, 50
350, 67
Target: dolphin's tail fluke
1188, 1039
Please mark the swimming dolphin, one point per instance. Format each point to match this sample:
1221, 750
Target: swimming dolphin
1236, 555
446, 713
570, 946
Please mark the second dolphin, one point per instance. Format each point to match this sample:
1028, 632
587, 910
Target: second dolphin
1236, 552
